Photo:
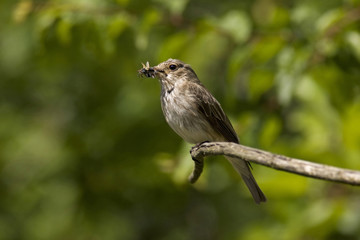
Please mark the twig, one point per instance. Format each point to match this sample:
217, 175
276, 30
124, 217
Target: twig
297, 166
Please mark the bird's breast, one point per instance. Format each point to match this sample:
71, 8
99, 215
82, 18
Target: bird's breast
181, 113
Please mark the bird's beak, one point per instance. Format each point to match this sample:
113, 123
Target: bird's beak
152, 72
158, 72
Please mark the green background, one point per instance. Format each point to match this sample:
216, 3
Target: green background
85, 152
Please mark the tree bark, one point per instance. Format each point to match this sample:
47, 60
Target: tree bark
280, 162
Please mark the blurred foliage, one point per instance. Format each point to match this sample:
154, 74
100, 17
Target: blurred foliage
85, 152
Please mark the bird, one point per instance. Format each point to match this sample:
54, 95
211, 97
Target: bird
195, 115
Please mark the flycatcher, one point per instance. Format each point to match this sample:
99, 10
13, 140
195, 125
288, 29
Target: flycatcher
195, 115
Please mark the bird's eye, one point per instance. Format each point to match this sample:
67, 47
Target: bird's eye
173, 67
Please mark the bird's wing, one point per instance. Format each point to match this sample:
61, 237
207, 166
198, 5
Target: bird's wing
210, 108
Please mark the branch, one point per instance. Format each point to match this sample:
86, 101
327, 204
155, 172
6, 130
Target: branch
280, 162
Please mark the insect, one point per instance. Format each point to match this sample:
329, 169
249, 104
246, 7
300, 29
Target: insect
146, 71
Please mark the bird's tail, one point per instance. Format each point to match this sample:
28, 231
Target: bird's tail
243, 169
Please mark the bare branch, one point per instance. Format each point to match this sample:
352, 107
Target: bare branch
283, 163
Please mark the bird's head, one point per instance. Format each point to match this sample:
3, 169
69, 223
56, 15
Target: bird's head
169, 72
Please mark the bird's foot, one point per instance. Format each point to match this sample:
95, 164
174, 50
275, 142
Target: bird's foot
197, 146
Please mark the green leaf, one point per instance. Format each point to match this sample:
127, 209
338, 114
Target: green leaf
64, 31
328, 19
117, 25
353, 40
237, 24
